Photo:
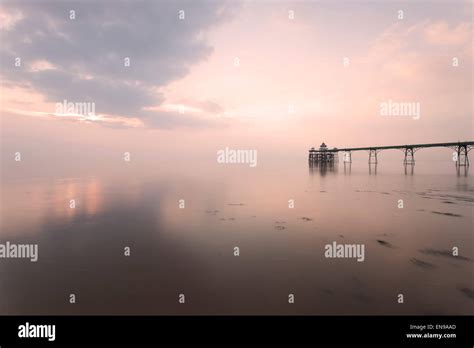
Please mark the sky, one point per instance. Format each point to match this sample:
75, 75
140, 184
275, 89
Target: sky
197, 76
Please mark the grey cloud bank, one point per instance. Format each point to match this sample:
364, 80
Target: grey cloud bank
87, 53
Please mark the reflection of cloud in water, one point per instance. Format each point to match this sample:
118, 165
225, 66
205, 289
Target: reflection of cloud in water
50, 199
88, 260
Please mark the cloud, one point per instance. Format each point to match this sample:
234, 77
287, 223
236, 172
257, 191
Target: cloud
167, 120
440, 33
82, 59
416, 53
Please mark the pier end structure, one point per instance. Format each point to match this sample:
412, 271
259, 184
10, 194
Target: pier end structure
322, 155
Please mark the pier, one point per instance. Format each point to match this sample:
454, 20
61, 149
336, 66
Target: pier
327, 155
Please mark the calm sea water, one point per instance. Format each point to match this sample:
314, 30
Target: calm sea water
190, 251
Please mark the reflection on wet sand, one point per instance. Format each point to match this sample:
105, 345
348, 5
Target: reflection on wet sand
409, 168
322, 168
372, 168
462, 170
347, 167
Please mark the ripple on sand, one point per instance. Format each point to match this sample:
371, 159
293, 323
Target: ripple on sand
468, 292
446, 214
385, 243
422, 264
445, 253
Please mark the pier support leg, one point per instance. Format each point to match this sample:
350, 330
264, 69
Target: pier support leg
372, 156
347, 157
409, 156
463, 159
